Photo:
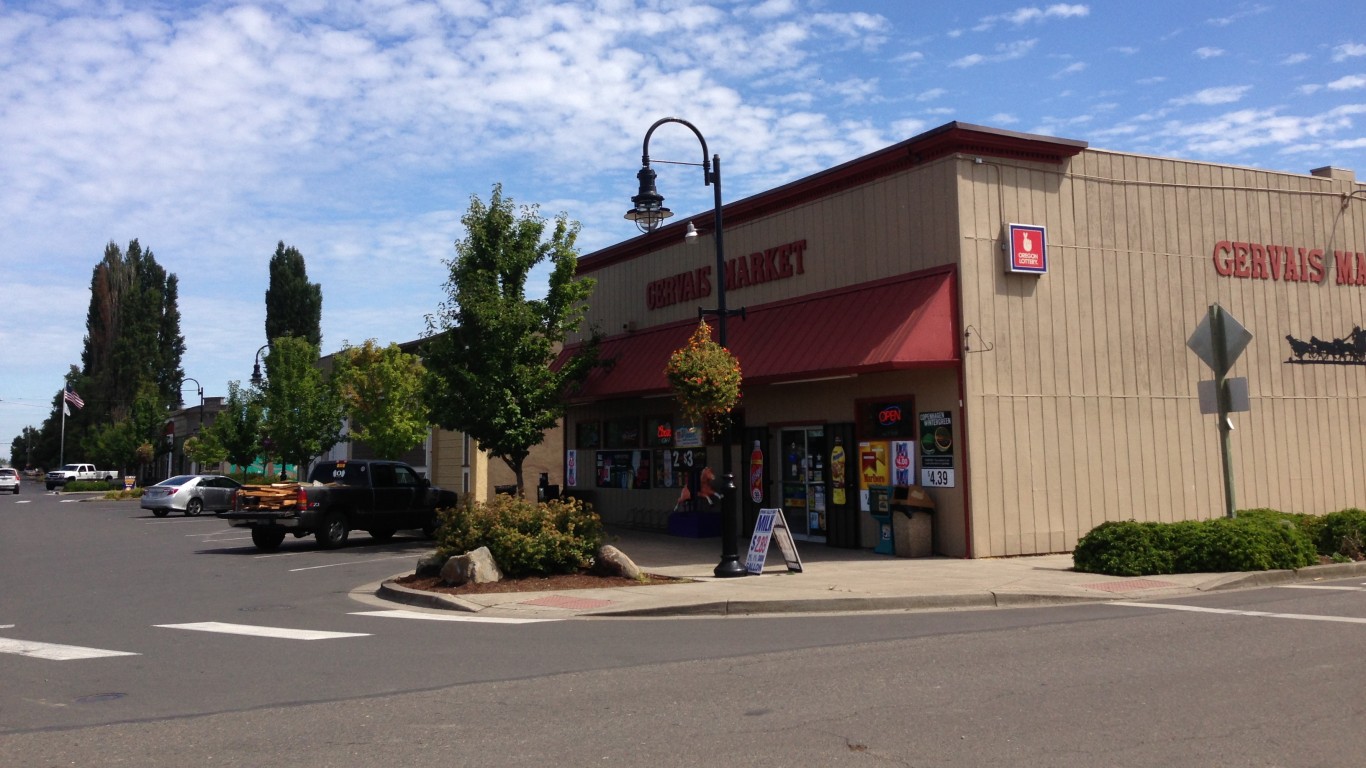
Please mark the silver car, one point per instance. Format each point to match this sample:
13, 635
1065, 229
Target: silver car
190, 494
9, 479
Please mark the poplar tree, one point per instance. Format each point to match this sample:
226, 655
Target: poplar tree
294, 306
490, 349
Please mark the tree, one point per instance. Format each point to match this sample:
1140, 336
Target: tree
381, 388
130, 441
294, 306
489, 350
303, 414
205, 450
237, 428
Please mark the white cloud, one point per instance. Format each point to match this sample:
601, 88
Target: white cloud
1033, 15
1224, 21
1348, 83
931, 94
1004, 52
1070, 69
1348, 51
1210, 96
1209, 53
1295, 58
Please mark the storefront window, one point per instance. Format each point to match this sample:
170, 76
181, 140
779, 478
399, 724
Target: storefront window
588, 435
623, 432
887, 418
623, 469
659, 431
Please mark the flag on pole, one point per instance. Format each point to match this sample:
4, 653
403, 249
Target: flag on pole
66, 410
71, 397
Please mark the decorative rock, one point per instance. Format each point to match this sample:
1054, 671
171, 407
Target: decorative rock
477, 566
430, 565
614, 562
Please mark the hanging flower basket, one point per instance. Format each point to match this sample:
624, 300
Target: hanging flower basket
705, 377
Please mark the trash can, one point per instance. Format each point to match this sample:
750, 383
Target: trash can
912, 521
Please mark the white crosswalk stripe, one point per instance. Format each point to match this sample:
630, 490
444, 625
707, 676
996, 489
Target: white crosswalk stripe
54, 651
257, 631
1235, 612
402, 614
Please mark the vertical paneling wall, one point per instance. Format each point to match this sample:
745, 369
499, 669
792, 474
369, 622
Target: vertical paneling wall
1086, 407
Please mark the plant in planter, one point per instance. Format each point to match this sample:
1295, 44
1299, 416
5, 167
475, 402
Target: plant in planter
705, 378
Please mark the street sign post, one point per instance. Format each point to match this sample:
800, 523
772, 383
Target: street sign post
1218, 341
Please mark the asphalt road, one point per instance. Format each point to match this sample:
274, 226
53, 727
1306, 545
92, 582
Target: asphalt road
1263, 677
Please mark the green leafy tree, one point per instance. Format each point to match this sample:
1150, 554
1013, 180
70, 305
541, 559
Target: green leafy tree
303, 414
381, 388
489, 349
130, 441
294, 306
204, 450
237, 428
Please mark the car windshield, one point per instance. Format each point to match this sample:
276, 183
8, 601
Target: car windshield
177, 480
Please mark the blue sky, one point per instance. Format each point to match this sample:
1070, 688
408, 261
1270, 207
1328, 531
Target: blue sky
357, 131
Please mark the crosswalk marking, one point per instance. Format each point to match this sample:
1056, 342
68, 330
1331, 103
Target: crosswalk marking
402, 614
1323, 586
257, 631
1234, 612
55, 652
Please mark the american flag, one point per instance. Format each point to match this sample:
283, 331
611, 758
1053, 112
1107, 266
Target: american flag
73, 398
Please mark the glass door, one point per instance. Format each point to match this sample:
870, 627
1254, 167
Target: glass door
802, 452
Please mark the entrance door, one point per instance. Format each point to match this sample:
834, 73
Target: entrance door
803, 451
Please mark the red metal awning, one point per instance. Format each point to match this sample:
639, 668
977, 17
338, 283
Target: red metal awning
897, 324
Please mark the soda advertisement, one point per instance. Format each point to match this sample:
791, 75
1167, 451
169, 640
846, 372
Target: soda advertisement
903, 462
936, 449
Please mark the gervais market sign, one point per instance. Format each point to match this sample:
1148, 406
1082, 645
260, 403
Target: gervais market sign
1286, 263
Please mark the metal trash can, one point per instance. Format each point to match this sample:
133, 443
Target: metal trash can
912, 521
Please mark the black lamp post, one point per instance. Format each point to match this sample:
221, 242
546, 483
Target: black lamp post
199, 387
256, 377
649, 212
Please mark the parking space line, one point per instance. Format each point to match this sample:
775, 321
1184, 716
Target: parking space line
402, 614
1323, 586
258, 631
56, 652
350, 562
1255, 614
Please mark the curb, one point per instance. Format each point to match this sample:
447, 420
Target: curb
401, 594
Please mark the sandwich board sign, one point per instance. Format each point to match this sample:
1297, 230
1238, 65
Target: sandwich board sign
770, 527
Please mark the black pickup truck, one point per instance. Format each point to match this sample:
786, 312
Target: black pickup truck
379, 497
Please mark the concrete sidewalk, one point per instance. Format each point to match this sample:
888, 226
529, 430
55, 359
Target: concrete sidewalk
839, 581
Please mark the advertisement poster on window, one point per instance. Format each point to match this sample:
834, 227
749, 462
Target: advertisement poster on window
571, 468
674, 468
623, 469
936, 449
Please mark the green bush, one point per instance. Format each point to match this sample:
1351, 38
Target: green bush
526, 538
1256, 541
1343, 533
93, 485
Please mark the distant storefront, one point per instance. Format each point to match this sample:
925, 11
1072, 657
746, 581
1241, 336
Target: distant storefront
1002, 319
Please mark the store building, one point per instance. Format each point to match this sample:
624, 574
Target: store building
1003, 317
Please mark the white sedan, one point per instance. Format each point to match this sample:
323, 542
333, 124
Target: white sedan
190, 494
9, 479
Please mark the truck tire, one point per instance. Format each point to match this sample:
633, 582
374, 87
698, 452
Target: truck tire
382, 534
267, 539
50, 486
333, 532
161, 512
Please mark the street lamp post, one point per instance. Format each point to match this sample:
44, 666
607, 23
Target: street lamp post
199, 387
648, 213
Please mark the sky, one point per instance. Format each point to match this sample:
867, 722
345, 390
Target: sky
358, 130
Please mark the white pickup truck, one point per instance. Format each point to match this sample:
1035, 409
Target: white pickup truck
73, 472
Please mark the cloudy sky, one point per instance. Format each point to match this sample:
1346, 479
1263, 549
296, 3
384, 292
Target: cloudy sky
358, 130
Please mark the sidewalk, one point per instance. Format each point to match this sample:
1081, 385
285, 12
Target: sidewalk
840, 581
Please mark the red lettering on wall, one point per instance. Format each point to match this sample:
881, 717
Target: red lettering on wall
1222, 263
776, 263
1284, 263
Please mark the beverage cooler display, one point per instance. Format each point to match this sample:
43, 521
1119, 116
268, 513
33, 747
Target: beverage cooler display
803, 474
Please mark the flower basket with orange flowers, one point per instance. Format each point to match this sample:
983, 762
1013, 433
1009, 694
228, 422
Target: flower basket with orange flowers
705, 377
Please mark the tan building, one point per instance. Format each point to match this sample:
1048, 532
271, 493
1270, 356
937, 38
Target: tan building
1035, 379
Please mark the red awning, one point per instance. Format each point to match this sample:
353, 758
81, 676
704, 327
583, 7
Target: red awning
897, 324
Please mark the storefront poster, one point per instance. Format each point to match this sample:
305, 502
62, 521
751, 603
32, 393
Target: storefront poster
623, 469
675, 467
873, 463
903, 462
837, 472
936, 449
571, 468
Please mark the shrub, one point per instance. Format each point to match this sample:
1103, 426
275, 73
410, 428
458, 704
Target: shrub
93, 485
1125, 548
1343, 533
526, 538
1257, 541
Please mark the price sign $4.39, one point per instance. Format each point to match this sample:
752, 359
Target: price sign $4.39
936, 478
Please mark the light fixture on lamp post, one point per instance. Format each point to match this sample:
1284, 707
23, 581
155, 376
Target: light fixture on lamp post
256, 377
648, 213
